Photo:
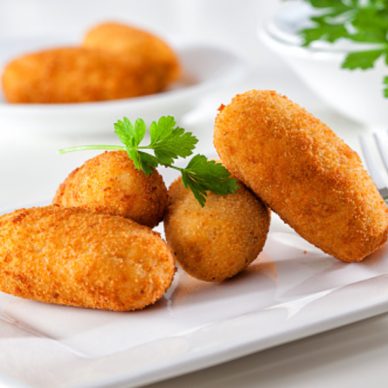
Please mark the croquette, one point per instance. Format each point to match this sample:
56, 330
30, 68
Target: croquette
130, 41
109, 183
304, 172
79, 258
219, 240
77, 74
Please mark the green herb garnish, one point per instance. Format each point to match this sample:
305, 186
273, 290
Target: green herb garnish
361, 21
168, 143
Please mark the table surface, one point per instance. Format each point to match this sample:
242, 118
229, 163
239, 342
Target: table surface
352, 356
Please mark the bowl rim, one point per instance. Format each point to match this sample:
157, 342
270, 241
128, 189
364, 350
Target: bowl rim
270, 27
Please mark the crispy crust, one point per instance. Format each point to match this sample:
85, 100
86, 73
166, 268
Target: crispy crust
79, 258
217, 241
109, 183
134, 42
304, 172
78, 74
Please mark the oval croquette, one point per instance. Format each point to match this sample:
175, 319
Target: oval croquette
130, 41
77, 74
304, 172
78, 258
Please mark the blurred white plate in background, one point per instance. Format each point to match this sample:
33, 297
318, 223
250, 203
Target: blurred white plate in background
206, 68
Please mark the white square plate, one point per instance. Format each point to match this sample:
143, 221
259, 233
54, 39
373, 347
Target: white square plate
292, 291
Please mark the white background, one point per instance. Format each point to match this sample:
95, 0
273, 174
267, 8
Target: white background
30, 169
230, 23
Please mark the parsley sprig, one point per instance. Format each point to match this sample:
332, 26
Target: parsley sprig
168, 142
360, 21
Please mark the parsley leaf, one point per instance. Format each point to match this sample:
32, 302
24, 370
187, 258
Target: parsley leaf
129, 134
352, 20
168, 142
327, 32
324, 3
385, 82
362, 59
202, 175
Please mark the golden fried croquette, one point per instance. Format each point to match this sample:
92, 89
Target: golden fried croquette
76, 74
304, 172
219, 240
131, 41
109, 183
79, 258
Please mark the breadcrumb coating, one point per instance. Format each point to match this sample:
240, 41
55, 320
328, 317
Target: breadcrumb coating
78, 74
219, 240
109, 183
79, 258
304, 172
132, 41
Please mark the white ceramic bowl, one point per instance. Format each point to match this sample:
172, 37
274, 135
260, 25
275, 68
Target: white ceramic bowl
206, 69
357, 94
